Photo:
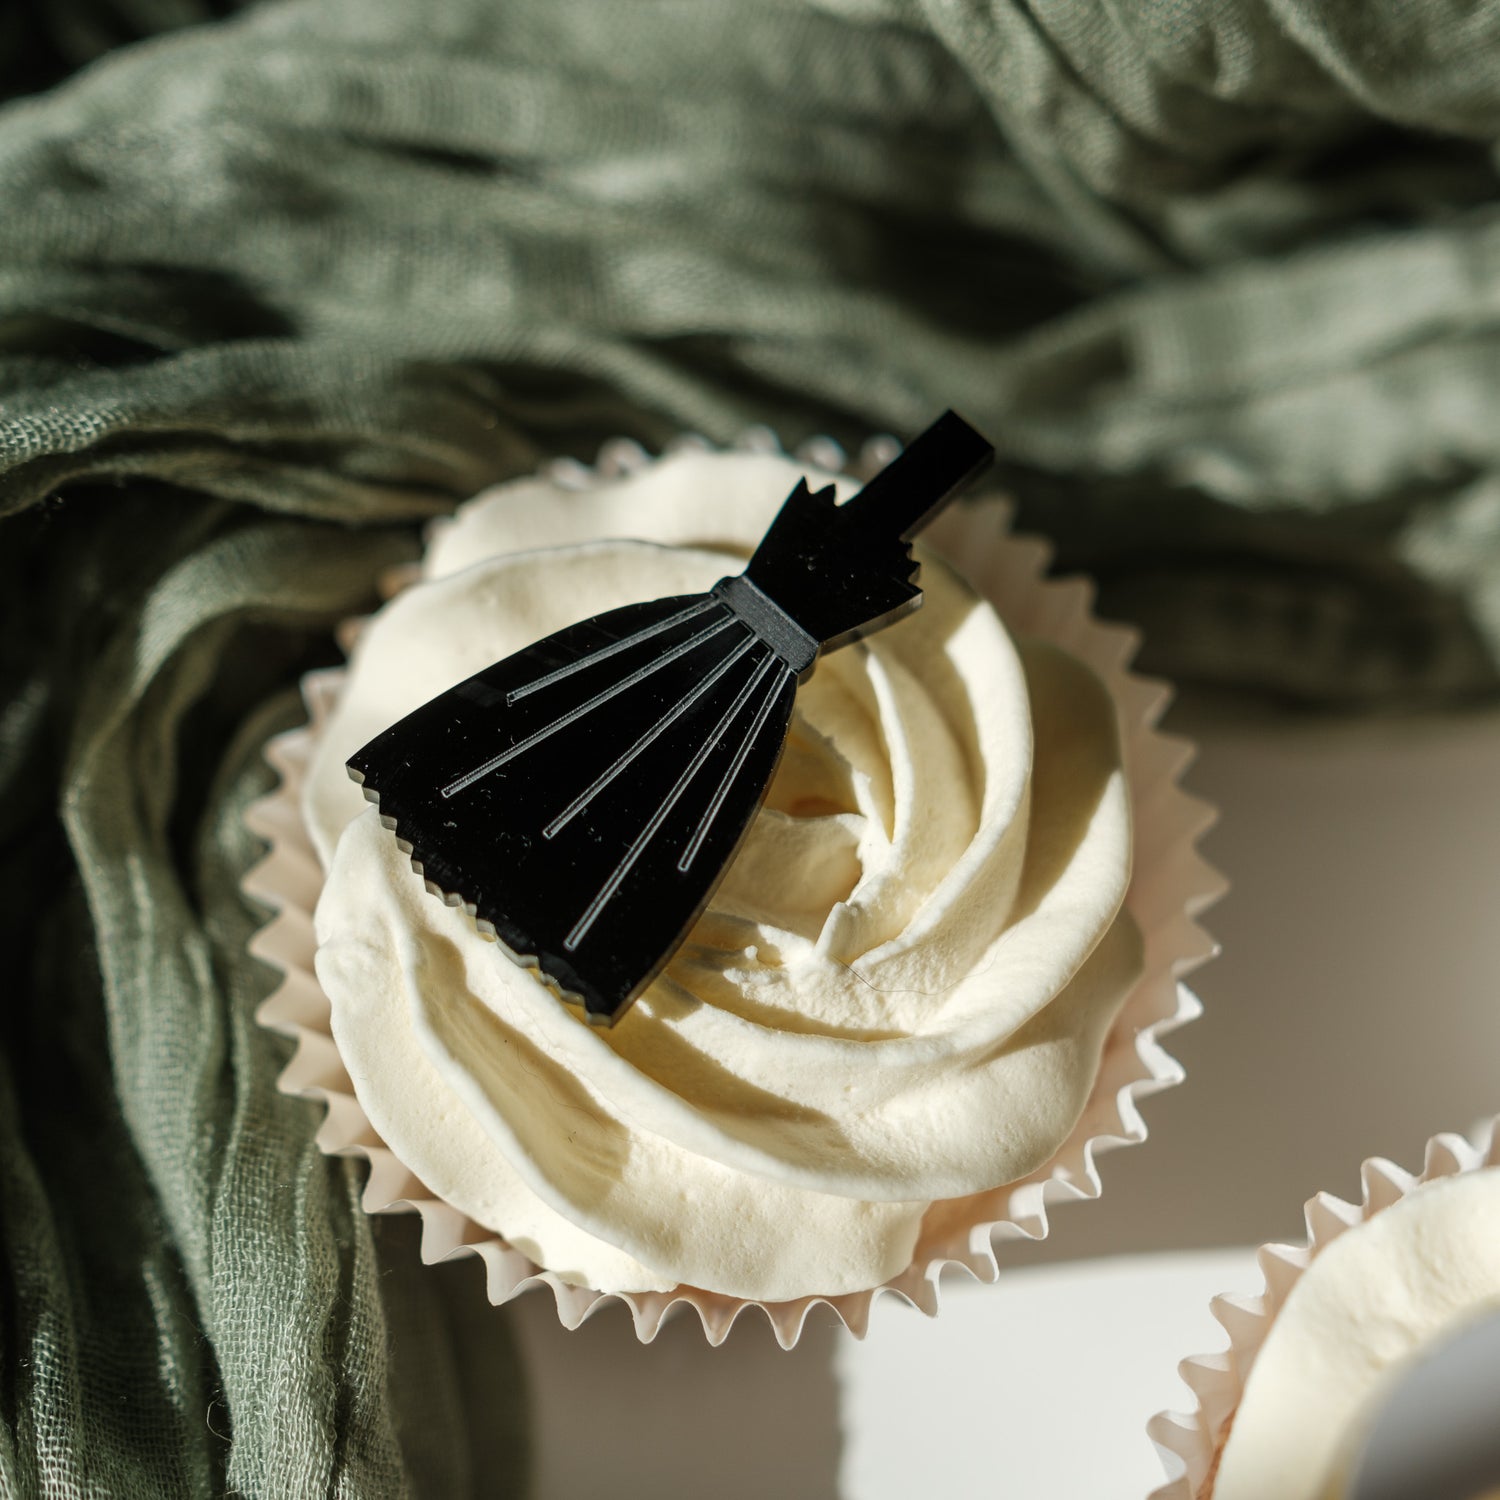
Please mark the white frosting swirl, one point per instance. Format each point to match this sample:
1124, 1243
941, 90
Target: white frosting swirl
899, 993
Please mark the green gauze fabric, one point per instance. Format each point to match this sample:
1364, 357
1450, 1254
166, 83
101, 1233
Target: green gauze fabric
192, 1299
1219, 279
1222, 281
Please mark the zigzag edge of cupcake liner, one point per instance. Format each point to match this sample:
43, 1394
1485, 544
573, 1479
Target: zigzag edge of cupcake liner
1007, 570
1187, 1442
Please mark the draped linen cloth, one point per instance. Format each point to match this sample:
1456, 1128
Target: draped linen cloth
276, 284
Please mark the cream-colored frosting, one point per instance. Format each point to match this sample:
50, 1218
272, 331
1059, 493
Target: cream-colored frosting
899, 993
1375, 1299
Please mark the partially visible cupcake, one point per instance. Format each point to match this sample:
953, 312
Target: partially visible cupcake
1288, 1410
926, 994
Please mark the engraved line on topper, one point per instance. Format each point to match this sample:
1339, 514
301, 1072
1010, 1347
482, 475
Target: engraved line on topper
605, 652
665, 722
716, 802
573, 715
664, 809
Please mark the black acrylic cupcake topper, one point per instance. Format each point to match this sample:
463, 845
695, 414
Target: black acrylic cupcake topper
1431, 1429
583, 798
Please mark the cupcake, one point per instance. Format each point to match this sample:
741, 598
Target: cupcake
1380, 1287
927, 991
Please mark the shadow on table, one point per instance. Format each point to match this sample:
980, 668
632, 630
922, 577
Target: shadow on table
617, 1419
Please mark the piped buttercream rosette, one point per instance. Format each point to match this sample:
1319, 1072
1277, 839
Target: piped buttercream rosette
928, 993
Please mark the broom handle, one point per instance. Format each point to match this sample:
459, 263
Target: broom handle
906, 494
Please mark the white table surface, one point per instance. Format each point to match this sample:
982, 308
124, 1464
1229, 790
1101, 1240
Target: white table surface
1036, 1388
1355, 1011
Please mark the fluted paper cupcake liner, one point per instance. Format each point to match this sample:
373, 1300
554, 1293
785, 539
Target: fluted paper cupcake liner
1189, 1442
1171, 884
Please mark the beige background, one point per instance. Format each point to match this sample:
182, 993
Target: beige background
1355, 1008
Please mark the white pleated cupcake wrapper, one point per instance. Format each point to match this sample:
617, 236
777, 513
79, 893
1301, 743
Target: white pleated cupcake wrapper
1171, 884
1189, 1441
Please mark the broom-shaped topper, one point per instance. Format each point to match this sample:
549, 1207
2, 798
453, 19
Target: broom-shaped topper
583, 798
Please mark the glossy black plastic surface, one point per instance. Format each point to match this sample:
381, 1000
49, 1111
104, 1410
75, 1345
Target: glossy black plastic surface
584, 797
1432, 1429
